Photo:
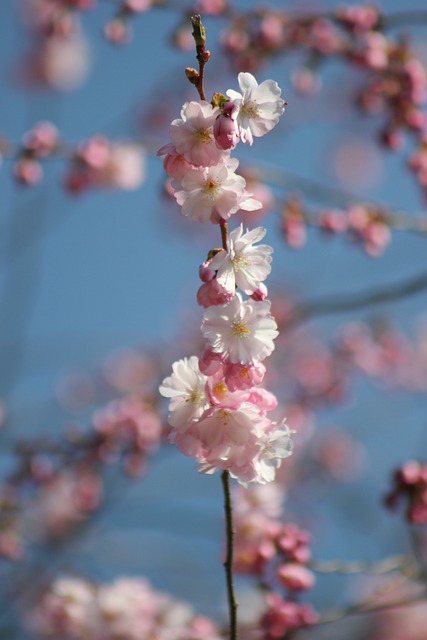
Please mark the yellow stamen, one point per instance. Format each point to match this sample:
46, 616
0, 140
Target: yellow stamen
196, 397
204, 136
220, 389
239, 262
250, 109
240, 329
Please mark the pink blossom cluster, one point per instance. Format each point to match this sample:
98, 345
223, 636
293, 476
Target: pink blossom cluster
410, 488
129, 608
38, 143
276, 554
365, 225
64, 500
95, 162
396, 80
59, 56
417, 162
128, 428
56, 485
383, 352
204, 178
217, 410
55, 17
98, 162
254, 37
118, 30
397, 89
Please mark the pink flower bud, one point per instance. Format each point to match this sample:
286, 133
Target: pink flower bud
42, 139
28, 171
210, 362
205, 273
244, 376
118, 31
296, 577
225, 127
212, 293
410, 473
260, 294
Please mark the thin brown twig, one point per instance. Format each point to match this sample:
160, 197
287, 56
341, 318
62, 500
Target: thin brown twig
202, 55
228, 563
403, 563
342, 302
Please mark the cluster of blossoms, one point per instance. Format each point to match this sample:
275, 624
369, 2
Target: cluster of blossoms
218, 412
276, 555
40, 142
57, 485
98, 162
128, 608
396, 80
382, 352
94, 163
410, 487
57, 27
118, 30
59, 56
204, 178
366, 225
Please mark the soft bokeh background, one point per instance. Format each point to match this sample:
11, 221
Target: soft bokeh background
82, 277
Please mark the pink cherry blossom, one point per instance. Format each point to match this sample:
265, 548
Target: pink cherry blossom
187, 393
243, 265
192, 134
213, 193
174, 163
260, 106
212, 293
242, 331
244, 376
225, 128
277, 445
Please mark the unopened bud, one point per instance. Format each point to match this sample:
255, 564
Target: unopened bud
192, 75
218, 99
199, 31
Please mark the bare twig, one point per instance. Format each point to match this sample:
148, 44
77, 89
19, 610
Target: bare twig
342, 302
402, 563
228, 563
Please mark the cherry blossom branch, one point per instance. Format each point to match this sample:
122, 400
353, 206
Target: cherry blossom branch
340, 303
199, 35
365, 607
414, 17
402, 563
228, 509
228, 563
328, 195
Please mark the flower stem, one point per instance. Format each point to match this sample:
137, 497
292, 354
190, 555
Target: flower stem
223, 225
228, 563
202, 55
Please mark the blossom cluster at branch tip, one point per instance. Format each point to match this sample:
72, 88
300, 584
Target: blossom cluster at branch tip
218, 412
127, 608
275, 555
410, 488
204, 179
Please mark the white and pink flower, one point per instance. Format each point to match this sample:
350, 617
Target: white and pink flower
243, 265
193, 137
186, 388
213, 193
260, 106
243, 331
